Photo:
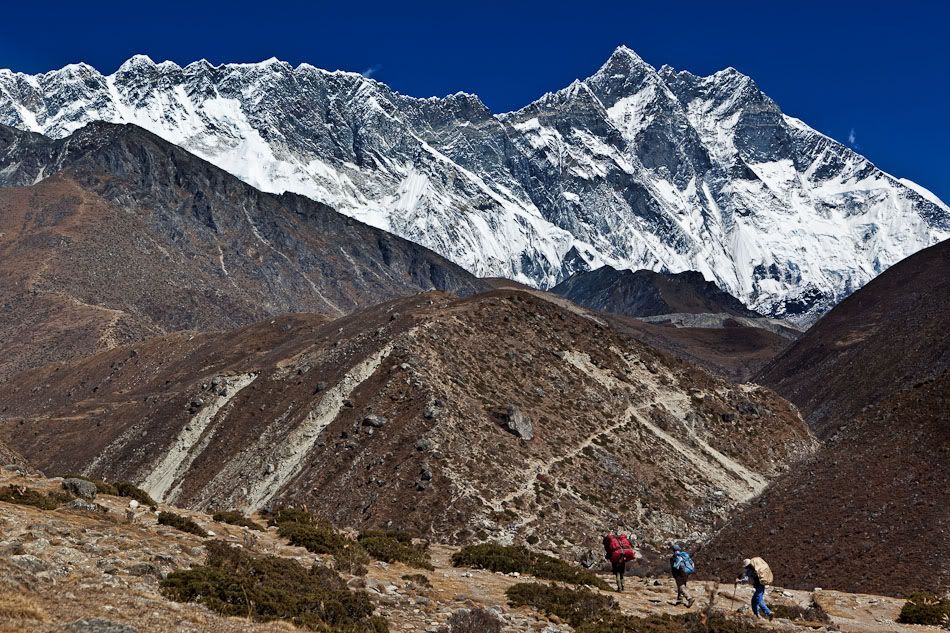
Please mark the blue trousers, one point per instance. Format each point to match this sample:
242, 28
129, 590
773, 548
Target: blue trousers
758, 602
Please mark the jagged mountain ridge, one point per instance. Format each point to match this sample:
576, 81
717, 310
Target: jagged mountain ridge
632, 167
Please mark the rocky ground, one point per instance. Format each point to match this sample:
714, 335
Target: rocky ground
503, 416
98, 572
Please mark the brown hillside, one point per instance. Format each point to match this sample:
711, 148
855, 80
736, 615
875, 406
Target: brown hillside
398, 414
868, 513
133, 237
888, 336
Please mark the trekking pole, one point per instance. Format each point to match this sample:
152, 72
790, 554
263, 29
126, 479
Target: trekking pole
735, 588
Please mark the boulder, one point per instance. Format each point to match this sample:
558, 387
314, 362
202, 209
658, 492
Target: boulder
82, 504
80, 487
29, 563
423, 444
518, 423
375, 421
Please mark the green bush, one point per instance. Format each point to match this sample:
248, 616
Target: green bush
508, 559
396, 546
403, 536
474, 621
131, 491
236, 518
289, 515
814, 613
181, 523
320, 537
574, 606
30, 497
265, 588
926, 608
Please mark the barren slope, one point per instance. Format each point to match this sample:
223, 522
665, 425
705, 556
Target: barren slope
281, 411
133, 237
870, 510
868, 513
890, 335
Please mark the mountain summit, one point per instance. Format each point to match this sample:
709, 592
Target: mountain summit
633, 167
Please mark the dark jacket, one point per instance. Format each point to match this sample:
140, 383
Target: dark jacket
749, 575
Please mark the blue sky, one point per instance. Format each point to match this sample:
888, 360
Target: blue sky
875, 74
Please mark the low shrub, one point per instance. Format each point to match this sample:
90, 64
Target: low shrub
574, 606
926, 608
289, 515
265, 588
29, 497
813, 614
236, 518
131, 491
508, 559
403, 536
320, 537
420, 579
119, 489
472, 621
685, 623
182, 523
396, 546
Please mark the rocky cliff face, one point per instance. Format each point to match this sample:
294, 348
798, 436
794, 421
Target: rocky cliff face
126, 235
633, 167
504, 416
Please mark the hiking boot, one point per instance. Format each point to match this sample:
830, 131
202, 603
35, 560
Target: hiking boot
689, 603
771, 617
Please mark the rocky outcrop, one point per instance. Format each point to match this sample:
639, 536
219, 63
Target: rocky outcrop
645, 293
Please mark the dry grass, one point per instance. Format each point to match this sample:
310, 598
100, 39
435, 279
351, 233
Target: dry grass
18, 607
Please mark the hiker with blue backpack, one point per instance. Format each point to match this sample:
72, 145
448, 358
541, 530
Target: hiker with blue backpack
682, 567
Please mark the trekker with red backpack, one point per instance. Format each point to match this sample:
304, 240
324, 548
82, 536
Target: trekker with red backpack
619, 551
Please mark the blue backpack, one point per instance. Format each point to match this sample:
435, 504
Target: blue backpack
684, 563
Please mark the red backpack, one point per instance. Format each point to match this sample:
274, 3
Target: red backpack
618, 549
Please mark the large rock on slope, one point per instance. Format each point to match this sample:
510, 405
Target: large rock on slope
618, 427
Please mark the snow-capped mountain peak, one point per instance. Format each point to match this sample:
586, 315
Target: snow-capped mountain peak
633, 167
